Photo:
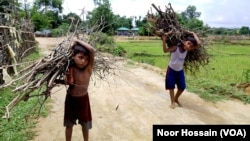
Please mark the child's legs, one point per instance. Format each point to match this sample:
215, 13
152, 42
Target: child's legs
176, 98
171, 92
170, 79
181, 85
180, 80
85, 133
68, 132
170, 84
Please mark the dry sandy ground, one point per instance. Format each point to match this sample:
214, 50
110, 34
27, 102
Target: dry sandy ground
126, 105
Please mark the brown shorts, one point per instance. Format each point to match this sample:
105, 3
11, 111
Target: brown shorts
77, 108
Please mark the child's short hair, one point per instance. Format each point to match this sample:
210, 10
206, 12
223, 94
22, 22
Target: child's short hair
80, 49
192, 39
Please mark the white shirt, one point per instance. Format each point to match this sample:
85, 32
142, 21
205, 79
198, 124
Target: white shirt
177, 59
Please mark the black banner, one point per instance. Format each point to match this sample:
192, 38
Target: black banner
198, 132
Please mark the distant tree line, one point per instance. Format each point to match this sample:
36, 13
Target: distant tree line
47, 14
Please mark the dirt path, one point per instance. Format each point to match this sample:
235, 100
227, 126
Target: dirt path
125, 106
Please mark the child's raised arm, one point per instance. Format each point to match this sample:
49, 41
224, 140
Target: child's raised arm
90, 49
196, 38
164, 45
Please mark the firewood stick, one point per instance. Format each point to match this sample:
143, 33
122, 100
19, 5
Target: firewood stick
44, 77
51, 81
11, 105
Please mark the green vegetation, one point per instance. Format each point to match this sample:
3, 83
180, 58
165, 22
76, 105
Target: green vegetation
19, 127
46, 14
149, 52
229, 65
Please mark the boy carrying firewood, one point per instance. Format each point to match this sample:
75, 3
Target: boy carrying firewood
186, 51
77, 104
175, 73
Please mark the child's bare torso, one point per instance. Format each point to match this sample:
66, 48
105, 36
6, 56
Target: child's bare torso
81, 82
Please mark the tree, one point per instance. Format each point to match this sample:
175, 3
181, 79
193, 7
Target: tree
190, 13
49, 10
138, 22
67, 18
40, 21
220, 31
244, 30
121, 21
189, 18
54, 5
103, 17
146, 27
194, 24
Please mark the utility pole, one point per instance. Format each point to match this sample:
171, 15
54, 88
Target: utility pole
82, 13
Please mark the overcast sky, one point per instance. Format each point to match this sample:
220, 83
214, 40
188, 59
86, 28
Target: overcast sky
214, 13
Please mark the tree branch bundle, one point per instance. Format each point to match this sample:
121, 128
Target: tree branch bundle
165, 22
38, 79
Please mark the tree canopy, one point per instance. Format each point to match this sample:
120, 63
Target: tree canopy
48, 14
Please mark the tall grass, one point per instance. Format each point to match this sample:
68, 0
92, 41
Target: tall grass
214, 82
227, 64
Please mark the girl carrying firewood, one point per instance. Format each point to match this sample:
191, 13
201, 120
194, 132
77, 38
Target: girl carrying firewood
175, 73
77, 104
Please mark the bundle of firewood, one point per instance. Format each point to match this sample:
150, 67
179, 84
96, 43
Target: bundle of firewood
165, 22
38, 79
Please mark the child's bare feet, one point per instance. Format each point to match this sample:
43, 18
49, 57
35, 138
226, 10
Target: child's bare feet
172, 106
179, 104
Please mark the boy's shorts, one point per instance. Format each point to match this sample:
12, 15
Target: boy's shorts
77, 108
174, 78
